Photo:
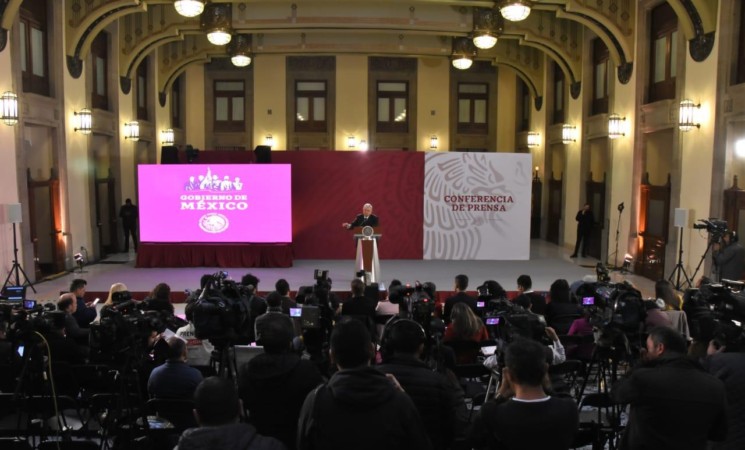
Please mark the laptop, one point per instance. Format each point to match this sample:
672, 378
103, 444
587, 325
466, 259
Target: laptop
14, 293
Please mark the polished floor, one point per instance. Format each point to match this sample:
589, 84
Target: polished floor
547, 263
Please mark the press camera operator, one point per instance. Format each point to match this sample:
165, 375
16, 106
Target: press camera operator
729, 257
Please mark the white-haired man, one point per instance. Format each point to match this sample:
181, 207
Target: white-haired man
367, 218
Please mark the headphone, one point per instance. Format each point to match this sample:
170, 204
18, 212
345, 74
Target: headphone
398, 328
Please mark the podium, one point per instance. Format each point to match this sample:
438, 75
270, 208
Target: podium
367, 252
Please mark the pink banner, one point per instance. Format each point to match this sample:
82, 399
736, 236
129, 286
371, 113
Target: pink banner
215, 203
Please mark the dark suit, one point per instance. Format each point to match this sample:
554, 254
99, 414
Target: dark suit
731, 261
360, 221
585, 222
458, 298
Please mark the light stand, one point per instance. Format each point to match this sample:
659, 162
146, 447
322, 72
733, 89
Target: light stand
679, 266
16, 270
618, 232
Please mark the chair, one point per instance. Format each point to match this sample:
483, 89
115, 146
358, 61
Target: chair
94, 378
14, 444
608, 426
563, 322
564, 377
112, 412
167, 419
67, 445
242, 354
471, 377
466, 352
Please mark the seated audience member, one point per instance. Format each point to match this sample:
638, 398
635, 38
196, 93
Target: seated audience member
84, 313
199, 351
68, 304
273, 385
116, 287
432, 393
282, 287
274, 307
360, 407
562, 307
174, 379
675, 404
256, 304
523, 415
725, 360
61, 347
385, 307
525, 288
495, 290
655, 317
465, 326
159, 300
663, 289
461, 284
217, 410
359, 306
581, 326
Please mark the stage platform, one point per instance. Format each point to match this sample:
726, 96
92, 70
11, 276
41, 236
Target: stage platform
178, 254
547, 263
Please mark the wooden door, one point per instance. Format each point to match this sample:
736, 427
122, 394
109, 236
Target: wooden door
596, 198
654, 221
535, 208
45, 223
734, 208
106, 218
555, 208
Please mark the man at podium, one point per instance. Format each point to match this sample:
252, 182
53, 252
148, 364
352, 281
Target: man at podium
367, 218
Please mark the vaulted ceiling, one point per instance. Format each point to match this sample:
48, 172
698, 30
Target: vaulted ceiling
377, 27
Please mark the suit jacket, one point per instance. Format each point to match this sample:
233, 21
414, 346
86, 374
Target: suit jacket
360, 221
585, 222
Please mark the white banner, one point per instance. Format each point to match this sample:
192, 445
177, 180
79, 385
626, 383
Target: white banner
477, 206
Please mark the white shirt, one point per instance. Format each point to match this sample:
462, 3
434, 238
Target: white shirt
198, 351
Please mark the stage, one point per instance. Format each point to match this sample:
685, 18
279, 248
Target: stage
547, 263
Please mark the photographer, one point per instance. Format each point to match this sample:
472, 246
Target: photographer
729, 257
726, 360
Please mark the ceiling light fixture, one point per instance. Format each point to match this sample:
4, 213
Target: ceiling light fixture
488, 25
240, 50
514, 10
189, 8
463, 53
217, 20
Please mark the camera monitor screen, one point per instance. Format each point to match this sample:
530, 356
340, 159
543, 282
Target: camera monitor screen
492, 320
588, 300
29, 304
215, 203
14, 293
480, 304
296, 312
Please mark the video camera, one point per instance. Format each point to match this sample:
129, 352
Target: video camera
414, 303
716, 309
507, 321
220, 311
715, 227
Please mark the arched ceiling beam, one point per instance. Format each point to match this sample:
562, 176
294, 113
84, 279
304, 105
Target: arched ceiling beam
697, 19
80, 36
170, 78
9, 12
527, 79
129, 60
555, 53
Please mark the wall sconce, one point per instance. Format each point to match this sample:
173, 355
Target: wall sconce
83, 121
463, 53
688, 118
9, 108
616, 126
534, 139
269, 140
240, 50
167, 136
740, 148
351, 142
363, 145
488, 25
433, 141
568, 134
217, 20
132, 131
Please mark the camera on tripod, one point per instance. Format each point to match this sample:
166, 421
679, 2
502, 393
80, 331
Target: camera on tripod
715, 227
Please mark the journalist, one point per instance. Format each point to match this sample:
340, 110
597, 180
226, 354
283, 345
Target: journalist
726, 360
729, 257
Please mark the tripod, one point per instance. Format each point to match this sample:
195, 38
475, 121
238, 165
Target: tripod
618, 233
703, 258
17, 270
679, 266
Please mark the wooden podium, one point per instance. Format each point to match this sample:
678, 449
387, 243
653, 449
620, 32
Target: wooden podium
367, 252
